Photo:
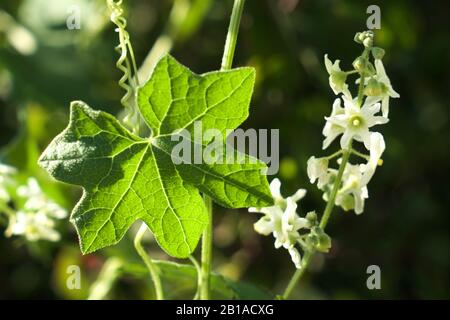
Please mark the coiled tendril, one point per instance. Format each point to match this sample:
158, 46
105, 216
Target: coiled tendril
124, 63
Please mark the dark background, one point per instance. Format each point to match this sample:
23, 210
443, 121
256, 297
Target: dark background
405, 226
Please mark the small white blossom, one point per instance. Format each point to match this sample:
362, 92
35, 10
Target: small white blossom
282, 219
296, 257
331, 130
33, 226
354, 123
290, 224
270, 222
377, 147
37, 201
354, 190
317, 169
387, 90
337, 77
6, 181
36, 220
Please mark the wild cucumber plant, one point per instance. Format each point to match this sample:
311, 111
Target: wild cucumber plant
128, 177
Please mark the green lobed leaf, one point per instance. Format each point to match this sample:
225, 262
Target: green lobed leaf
175, 97
127, 178
124, 179
237, 184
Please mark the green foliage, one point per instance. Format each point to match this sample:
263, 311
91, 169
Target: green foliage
174, 98
182, 278
126, 177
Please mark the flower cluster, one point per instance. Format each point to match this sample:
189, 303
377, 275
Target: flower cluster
286, 225
35, 216
6, 182
352, 119
36, 220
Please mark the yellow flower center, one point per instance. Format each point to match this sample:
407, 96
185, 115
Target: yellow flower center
356, 121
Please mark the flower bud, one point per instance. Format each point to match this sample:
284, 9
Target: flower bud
359, 64
377, 53
370, 69
358, 37
365, 38
346, 201
318, 240
338, 78
368, 42
373, 88
312, 218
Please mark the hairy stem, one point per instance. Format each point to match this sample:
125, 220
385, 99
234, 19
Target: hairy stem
152, 268
227, 62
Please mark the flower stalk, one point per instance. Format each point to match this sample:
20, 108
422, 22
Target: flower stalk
347, 186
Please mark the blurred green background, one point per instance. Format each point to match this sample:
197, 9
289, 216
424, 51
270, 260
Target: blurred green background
405, 228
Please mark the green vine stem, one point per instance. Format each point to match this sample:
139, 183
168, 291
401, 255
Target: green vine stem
233, 30
199, 272
206, 262
334, 192
227, 62
111, 270
152, 268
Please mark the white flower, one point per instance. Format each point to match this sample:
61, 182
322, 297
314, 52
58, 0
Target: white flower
6, 170
290, 224
31, 189
36, 219
270, 222
37, 201
33, 226
296, 257
354, 190
354, 123
275, 187
377, 147
330, 130
337, 77
387, 90
317, 169
282, 220
6, 181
